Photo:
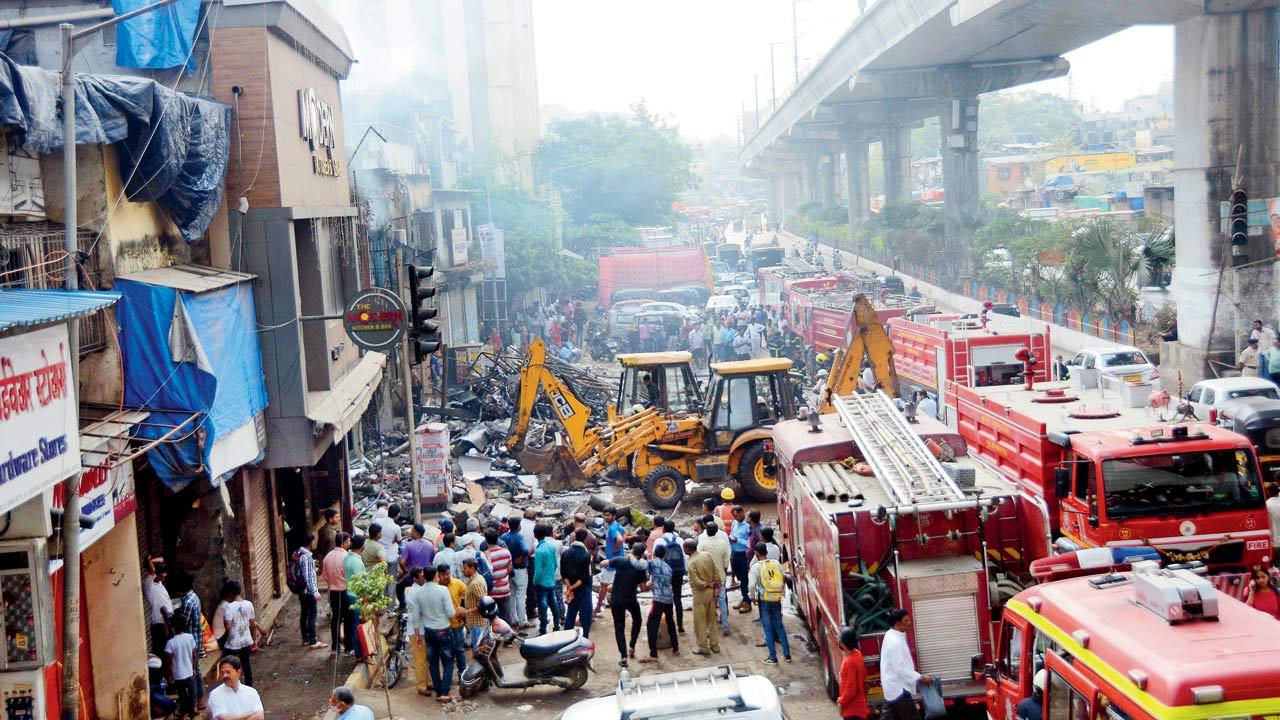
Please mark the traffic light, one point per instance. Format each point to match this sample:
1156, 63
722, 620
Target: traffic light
424, 335
1238, 225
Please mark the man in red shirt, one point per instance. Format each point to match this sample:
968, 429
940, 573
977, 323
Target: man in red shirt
853, 679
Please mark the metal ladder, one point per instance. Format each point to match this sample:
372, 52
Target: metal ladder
908, 472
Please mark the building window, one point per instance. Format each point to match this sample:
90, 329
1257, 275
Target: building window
1003, 173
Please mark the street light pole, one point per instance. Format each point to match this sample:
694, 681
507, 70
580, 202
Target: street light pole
70, 701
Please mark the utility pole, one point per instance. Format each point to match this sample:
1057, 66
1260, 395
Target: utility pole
70, 701
406, 379
757, 81
773, 81
795, 43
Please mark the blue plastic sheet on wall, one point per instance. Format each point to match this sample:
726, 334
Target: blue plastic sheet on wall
219, 375
159, 39
173, 148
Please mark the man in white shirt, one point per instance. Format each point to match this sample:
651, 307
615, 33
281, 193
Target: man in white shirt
898, 676
387, 517
233, 700
159, 605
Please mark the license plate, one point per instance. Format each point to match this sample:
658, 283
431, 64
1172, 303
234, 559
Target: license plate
1133, 378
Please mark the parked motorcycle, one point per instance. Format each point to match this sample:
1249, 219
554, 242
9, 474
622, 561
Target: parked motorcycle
602, 346
560, 658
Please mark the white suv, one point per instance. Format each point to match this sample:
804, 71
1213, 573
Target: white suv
711, 693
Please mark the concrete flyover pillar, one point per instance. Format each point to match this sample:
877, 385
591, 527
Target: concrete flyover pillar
809, 179
958, 121
1226, 111
776, 206
828, 165
896, 145
857, 180
789, 193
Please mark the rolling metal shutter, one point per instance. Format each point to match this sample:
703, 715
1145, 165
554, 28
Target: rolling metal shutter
260, 537
946, 634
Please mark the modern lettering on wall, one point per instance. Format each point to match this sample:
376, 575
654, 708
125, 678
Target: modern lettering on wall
316, 126
39, 438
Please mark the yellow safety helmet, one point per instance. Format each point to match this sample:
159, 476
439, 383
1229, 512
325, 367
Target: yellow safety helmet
822, 357
726, 494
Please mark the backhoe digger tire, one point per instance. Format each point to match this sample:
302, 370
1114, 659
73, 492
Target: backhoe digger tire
664, 487
758, 474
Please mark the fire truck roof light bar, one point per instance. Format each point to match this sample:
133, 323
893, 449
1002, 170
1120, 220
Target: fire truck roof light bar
909, 474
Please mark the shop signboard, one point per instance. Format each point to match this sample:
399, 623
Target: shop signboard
106, 492
458, 238
375, 319
494, 252
431, 448
39, 437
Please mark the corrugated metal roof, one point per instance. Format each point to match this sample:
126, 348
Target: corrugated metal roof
190, 278
21, 307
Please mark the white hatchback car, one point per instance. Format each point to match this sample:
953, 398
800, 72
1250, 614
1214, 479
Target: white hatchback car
1116, 364
712, 693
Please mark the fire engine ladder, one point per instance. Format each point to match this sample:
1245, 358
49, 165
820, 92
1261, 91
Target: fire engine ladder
961, 366
907, 471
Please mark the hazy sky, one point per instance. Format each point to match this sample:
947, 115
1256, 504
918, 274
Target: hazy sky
695, 60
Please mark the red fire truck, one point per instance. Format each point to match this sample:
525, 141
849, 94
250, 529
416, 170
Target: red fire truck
775, 284
931, 349
1116, 475
872, 520
821, 315
1149, 644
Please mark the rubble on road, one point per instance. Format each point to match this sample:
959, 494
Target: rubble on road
487, 481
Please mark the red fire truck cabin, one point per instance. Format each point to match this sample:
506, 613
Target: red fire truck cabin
1114, 475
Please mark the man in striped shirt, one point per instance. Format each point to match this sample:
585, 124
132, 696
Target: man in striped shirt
310, 594
500, 565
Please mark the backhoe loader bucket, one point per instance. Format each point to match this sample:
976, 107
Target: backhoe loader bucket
557, 463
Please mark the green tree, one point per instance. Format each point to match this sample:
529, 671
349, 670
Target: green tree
629, 167
599, 231
529, 232
1114, 254
1009, 117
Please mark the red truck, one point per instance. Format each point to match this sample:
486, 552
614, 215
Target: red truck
930, 350
1116, 475
864, 537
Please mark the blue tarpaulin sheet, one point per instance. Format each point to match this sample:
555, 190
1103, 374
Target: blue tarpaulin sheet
159, 39
187, 352
173, 148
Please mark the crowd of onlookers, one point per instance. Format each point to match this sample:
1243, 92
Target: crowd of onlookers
546, 575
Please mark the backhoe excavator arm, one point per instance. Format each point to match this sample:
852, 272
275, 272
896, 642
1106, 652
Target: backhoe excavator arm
573, 414
867, 339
